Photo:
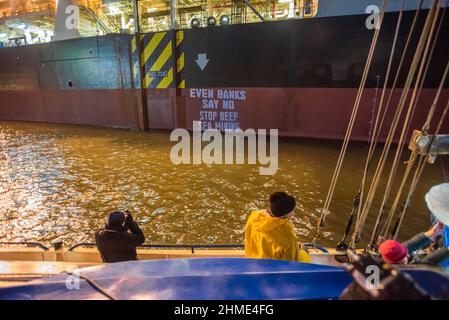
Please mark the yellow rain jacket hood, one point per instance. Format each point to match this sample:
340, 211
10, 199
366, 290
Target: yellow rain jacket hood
268, 237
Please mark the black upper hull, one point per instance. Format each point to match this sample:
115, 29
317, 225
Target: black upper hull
319, 52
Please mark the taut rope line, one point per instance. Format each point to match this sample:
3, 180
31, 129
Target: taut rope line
413, 156
355, 109
417, 57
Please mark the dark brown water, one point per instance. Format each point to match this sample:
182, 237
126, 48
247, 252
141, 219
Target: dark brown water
59, 182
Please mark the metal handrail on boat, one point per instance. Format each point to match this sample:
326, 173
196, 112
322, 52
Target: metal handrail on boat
28, 244
315, 246
192, 247
196, 246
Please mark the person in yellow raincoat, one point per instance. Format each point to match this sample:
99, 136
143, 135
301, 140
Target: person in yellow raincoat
271, 235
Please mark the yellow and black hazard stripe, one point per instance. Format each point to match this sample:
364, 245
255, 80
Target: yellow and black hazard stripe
180, 60
156, 60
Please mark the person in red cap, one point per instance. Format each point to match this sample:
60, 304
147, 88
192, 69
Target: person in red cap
395, 252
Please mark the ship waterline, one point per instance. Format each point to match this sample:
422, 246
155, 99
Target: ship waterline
300, 76
60, 181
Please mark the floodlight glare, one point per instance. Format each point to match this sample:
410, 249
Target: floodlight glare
195, 23
211, 21
224, 20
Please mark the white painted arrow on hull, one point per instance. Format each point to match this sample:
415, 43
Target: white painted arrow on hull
202, 61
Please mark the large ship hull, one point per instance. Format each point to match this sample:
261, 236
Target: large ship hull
298, 76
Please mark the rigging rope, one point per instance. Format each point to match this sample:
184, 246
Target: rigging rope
355, 109
417, 57
418, 174
407, 123
424, 159
413, 156
446, 177
378, 126
94, 284
402, 147
392, 91
399, 70
375, 135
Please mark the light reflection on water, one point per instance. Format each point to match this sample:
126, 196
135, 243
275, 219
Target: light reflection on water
59, 182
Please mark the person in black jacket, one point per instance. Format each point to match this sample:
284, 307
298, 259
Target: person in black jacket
114, 242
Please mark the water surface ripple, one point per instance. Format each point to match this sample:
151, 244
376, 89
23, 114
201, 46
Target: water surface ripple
59, 182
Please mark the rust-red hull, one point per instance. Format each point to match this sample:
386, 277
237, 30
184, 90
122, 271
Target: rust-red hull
320, 112
295, 112
107, 107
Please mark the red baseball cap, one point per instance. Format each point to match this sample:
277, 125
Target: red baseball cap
393, 251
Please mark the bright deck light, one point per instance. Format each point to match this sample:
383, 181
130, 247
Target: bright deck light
211, 21
195, 23
224, 20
